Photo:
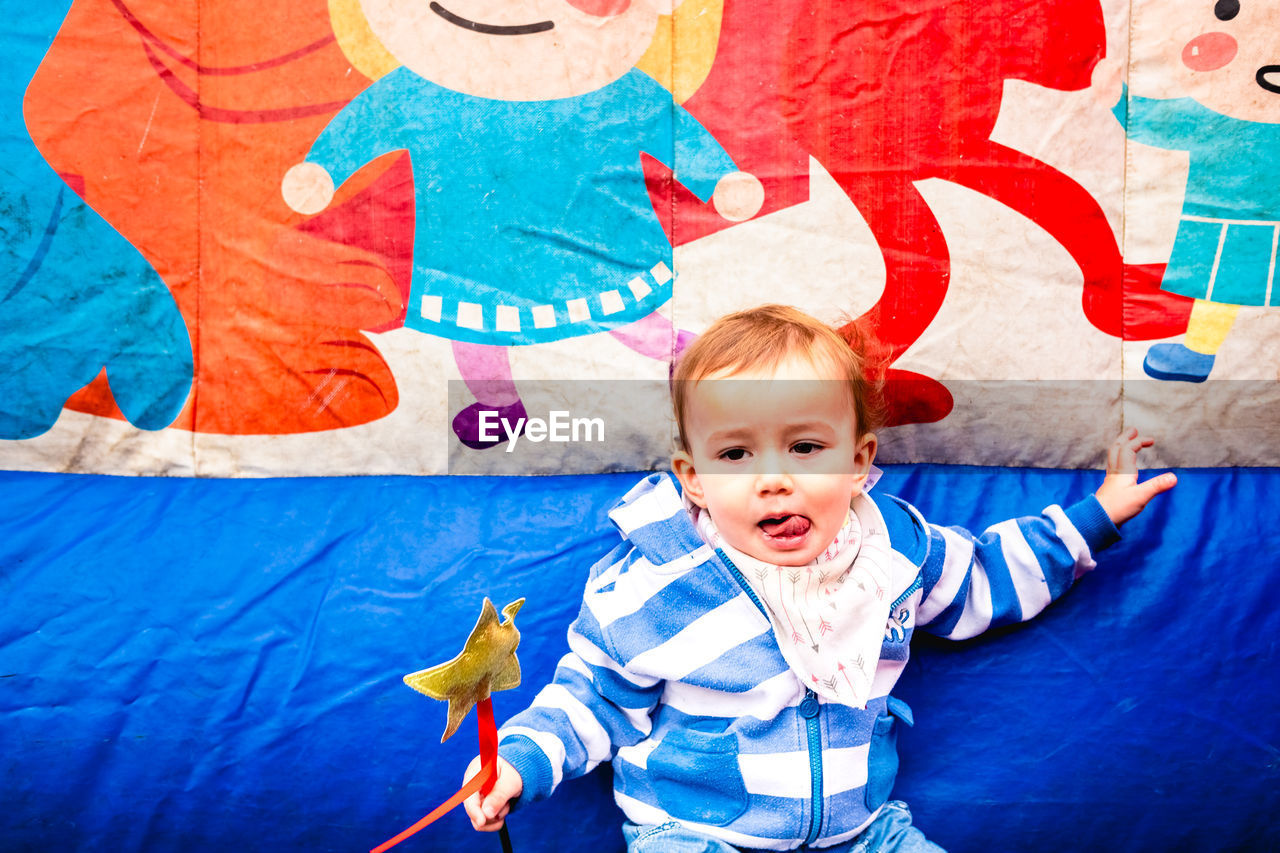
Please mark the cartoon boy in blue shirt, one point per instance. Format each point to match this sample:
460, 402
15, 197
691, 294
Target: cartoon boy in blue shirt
1228, 120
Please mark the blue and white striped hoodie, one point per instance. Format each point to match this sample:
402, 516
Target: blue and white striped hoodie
674, 674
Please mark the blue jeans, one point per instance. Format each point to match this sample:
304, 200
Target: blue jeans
890, 832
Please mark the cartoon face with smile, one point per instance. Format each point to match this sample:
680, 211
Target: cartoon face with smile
526, 51
1222, 53
549, 231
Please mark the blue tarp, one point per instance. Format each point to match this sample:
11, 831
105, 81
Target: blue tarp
206, 665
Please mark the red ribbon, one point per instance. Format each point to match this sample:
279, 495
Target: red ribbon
482, 781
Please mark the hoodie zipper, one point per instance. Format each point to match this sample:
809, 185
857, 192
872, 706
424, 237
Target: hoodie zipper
742, 582
809, 710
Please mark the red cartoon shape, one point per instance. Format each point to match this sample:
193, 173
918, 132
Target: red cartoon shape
891, 94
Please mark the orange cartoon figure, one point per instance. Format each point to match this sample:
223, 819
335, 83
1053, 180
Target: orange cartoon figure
180, 119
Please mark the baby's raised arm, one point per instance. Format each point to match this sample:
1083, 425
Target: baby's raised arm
1120, 494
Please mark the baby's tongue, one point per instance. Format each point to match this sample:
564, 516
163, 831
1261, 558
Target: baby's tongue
789, 525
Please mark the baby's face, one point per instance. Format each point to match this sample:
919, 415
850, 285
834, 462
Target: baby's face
527, 50
775, 457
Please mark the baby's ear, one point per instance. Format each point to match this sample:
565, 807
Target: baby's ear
682, 465
865, 456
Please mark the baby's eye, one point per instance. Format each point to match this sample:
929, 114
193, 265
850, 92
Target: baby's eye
804, 448
734, 454
1225, 10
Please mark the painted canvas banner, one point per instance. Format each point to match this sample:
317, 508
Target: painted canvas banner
247, 245
307, 238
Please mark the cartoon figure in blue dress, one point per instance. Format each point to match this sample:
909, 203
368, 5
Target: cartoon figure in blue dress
525, 123
1227, 116
75, 297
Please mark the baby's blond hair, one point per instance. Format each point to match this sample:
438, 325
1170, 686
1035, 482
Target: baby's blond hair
762, 337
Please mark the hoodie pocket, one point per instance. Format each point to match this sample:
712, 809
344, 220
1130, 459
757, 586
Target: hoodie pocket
695, 776
882, 756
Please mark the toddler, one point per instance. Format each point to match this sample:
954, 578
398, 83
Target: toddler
735, 653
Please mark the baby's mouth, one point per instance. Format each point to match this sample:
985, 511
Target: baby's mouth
785, 526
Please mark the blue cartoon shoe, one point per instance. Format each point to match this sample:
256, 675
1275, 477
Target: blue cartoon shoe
1176, 363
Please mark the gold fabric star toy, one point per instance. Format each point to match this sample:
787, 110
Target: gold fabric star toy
486, 663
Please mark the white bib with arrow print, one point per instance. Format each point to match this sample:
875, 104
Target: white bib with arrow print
828, 616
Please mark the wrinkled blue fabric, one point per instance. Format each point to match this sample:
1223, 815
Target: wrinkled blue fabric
212, 664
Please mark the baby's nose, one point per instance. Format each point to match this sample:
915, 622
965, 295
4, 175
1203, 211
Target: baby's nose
772, 479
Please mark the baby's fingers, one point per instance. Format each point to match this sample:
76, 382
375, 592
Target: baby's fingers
1140, 494
497, 811
1157, 485
1122, 456
487, 814
472, 804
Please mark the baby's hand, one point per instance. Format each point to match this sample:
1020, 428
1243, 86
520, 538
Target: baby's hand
489, 815
1120, 494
